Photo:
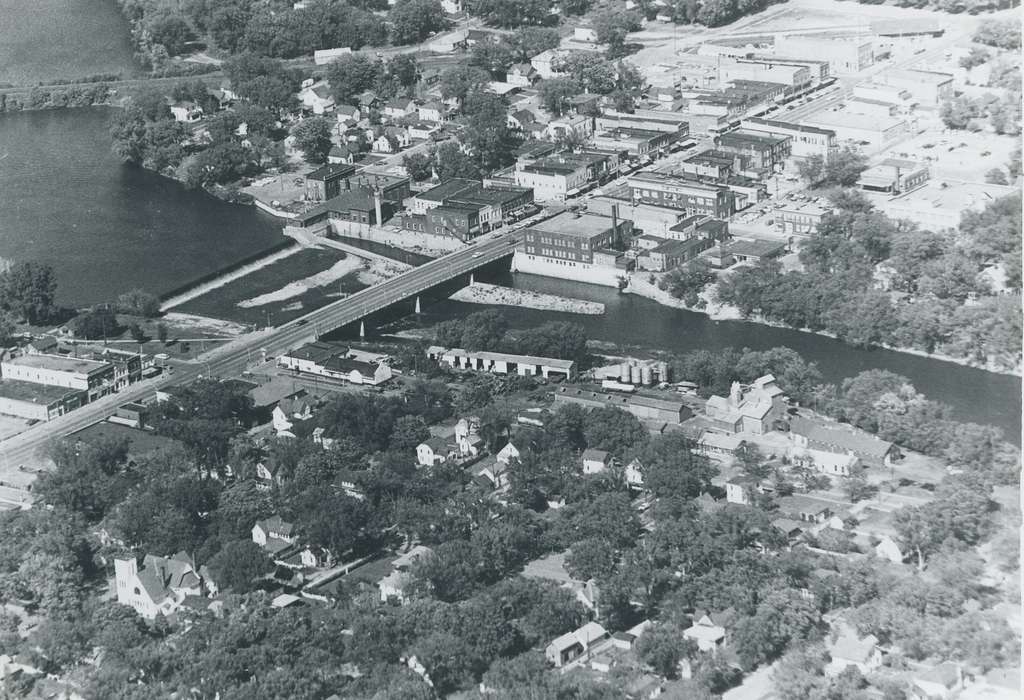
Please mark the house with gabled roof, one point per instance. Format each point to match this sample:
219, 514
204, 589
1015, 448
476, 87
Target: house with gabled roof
433, 111
709, 629
507, 453
292, 412
433, 451
341, 154
751, 409
273, 534
842, 439
399, 107
159, 586
938, 682
595, 461
522, 75
850, 649
395, 585
317, 98
572, 645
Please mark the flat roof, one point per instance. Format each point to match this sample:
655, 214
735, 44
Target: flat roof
758, 137
757, 249
789, 126
60, 363
30, 392
853, 121
448, 188
504, 357
331, 171
580, 225
914, 74
675, 247
667, 179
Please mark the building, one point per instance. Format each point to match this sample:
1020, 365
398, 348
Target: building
432, 452
273, 534
755, 251
938, 682
804, 508
870, 108
553, 179
579, 246
93, 377
327, 181
649, 119
751, 409
545, 62
849, 649
650, 219
595, 461
716, 165
421, 131
844, 55
160, 586
671, 254
740, 490
521, 75
717, 445
799, 217
940, 205
341, 155
572, 645
896, 96
847, 126
334, 362
317, 98
38, 402
395, 585
765, 151
434, 111
804, 141
636, 142
322, 57
399, 107
449, 43
676, 192
842, 439
708, 630
894, 176
493, 205
503, 363
796, 77
644, 407
927, 88
825, 462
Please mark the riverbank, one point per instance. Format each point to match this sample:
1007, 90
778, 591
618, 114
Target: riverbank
717, 311
494, 295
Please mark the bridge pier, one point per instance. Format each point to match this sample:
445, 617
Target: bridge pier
471, 278
362, 329
418, 312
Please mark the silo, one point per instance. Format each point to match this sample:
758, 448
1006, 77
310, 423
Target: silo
647, 374
624, 373
663, 372
634, 375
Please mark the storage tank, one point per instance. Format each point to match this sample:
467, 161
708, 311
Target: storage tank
634, 375
663, 374
647, 374
624, 372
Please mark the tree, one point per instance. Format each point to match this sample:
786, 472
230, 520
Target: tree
975, 57
98, 323
530, 41
462, 80
139, 302
555, 93
265, 82
29, 289
662, 646
404, 69
313, 137
451, 161
161, 332
566, 341
1003, 34
412, 21
612, 26
613, 430
958, 112
409, 431
510, 13
484, 330
238, 565
172, 31
594, 557
138, 335
351, 75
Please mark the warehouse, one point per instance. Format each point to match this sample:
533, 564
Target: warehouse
39, 402
646, 408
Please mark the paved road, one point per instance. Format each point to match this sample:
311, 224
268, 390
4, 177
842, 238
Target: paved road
233, 358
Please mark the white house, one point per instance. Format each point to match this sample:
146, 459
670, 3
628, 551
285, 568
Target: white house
291, 411
888, 549
572, 645
595, 461
187, 112
395, 585
521, 75
432, 452
579, 124
544, 63
851, 650
942, 681
709, 629
399, 107
421, 131
341, 154
317, 98
347, 112
496, 473
634, 474
507, 453
466, 438
273, 533
452, 7
739, 490
433, 111
160, 586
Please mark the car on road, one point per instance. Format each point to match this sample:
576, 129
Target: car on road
302, 322
477, 255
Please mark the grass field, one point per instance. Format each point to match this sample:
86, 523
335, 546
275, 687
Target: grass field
223, 302
44, 40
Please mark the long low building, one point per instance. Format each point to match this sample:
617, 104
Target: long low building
94, 377
38, 402
503, 363
644, 407
334, 362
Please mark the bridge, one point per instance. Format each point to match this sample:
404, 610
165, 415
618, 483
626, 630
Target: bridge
232, 358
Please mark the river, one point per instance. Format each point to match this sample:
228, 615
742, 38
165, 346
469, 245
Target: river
633, 322
106, 227
66, 200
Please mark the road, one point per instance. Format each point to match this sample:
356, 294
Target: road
233, 358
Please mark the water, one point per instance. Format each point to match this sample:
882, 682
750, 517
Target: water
106, 227
46, 40
631, 321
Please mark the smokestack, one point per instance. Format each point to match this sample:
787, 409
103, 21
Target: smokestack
377, 207
615, 223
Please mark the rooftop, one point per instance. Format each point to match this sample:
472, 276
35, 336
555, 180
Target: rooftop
582, 225
919, 76
31, 392
756, 249
60, 363
331, 171
504, 357
853, 121
757, 137
789, 126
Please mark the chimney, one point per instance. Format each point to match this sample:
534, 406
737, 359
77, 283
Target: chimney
735, 394
615, 223
377, 207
